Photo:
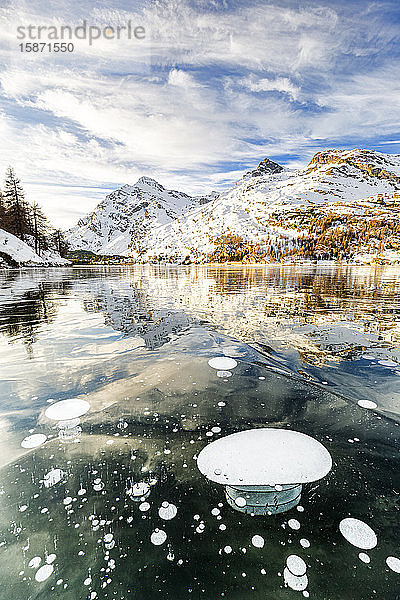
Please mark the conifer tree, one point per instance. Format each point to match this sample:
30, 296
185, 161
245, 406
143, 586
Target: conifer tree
17, 209
40, 226
60, 243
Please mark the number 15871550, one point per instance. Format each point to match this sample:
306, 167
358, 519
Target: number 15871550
46, 47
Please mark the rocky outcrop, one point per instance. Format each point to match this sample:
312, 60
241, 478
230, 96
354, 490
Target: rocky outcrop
265, 167
370, 163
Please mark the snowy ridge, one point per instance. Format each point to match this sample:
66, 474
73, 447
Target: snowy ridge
271, 207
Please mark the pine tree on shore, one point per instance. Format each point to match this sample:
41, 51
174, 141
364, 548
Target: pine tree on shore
40, 227
60, 243
17, 209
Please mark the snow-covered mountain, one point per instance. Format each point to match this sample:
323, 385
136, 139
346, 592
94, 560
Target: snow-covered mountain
15, 252
122, 223
344, 203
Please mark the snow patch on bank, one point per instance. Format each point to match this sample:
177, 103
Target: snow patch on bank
19, 252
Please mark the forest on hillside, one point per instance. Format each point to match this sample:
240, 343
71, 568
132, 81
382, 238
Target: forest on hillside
320, 235
26, 220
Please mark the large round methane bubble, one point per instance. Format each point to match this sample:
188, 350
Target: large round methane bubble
67, 409
258, 541
222, 363
294, 524
364, 558
296, 565
393, 563
358, 533
367, 404
33, 441
167, 511
158, 537
240, 459
44, 573
34, 562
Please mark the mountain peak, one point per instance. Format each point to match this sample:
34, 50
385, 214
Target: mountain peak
265, 167
148, 182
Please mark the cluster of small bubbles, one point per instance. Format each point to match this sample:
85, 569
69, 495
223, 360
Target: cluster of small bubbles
45, 570
98, 484
201, 527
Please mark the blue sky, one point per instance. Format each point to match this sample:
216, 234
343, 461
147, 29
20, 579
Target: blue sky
213, 88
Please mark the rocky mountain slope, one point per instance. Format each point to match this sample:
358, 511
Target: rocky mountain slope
345, 204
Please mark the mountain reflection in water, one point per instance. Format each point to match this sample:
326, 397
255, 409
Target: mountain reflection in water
310, 342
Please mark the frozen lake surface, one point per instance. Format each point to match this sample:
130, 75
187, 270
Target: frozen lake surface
113, 380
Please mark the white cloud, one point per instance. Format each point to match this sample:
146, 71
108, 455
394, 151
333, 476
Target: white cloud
180, 78
278, 84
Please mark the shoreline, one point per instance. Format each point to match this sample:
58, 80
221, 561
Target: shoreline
225, 265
